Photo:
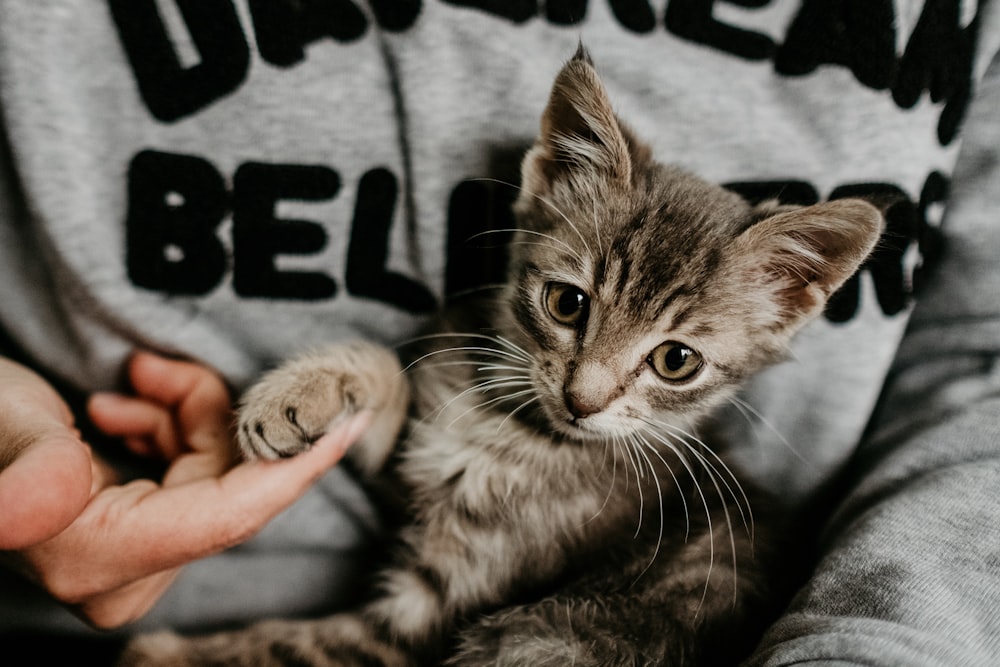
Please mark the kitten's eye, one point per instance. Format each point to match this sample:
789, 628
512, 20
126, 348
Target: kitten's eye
566, 304
675, 361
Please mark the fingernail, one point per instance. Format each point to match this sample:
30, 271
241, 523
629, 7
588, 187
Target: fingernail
348, 432
105, 399
358, 425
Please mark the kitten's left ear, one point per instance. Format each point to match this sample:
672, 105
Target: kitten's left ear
580, 134
801, 257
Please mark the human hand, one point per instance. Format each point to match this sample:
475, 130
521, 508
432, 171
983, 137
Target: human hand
107, 550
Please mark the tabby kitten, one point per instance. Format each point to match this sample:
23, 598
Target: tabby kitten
561, 509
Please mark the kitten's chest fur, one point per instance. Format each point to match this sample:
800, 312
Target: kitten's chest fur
486, 478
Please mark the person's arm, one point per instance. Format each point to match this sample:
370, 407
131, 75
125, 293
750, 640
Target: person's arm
910, 571
106, 550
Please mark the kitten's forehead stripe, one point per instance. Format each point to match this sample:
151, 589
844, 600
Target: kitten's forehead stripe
681, 317
600, 272
624, 265
703, 330
642, 292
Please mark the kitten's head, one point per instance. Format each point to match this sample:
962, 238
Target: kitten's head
645, 293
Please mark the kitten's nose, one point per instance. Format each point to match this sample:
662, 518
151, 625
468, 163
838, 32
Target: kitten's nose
578, 407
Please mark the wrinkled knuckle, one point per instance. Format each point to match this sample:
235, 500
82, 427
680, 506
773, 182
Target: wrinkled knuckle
239, 526
211, 386
106, 617
17, 435
67, 588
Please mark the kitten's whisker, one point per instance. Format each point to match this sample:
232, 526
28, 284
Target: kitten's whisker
532, 232
685, 437
516, 410
628, 452
604, 458
614, 473
502, 382
741, 501
715, 477
729, 524
746, 408
629, 447
499, 367
486, 382
504, 342
515, 348
510, 381
477, 364
544, 245
495, 400
660, 437
633, 456
550, 205
479, 288
472, 348
641, 447
680, 491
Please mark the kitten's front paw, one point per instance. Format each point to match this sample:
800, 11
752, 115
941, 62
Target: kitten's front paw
294, 405
544, 634
160, 649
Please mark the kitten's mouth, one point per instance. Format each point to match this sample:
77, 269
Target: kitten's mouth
562, 422
581, 429
578, 431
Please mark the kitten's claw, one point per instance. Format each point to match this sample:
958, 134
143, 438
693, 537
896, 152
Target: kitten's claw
291, 408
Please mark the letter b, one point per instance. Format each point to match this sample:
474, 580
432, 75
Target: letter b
176, 202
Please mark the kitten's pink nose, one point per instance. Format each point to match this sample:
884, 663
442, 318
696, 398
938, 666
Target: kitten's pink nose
578, 407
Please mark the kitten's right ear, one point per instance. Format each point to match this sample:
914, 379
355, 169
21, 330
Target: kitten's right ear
580, 134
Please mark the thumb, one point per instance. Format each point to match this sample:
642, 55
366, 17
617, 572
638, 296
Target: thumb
43, 490
46, 471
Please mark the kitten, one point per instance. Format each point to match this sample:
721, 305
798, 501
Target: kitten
561, 511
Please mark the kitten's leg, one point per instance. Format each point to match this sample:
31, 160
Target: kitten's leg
552, 633
440, 579
370, 637
688, 608
601, 631
294, 405
339, 641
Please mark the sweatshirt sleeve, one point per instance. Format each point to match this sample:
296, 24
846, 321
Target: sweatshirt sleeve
909, 572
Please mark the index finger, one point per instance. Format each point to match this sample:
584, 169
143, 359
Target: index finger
156, 529
282, 482
197, 394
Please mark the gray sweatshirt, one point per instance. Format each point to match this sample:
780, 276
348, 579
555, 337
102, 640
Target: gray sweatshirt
238, 180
